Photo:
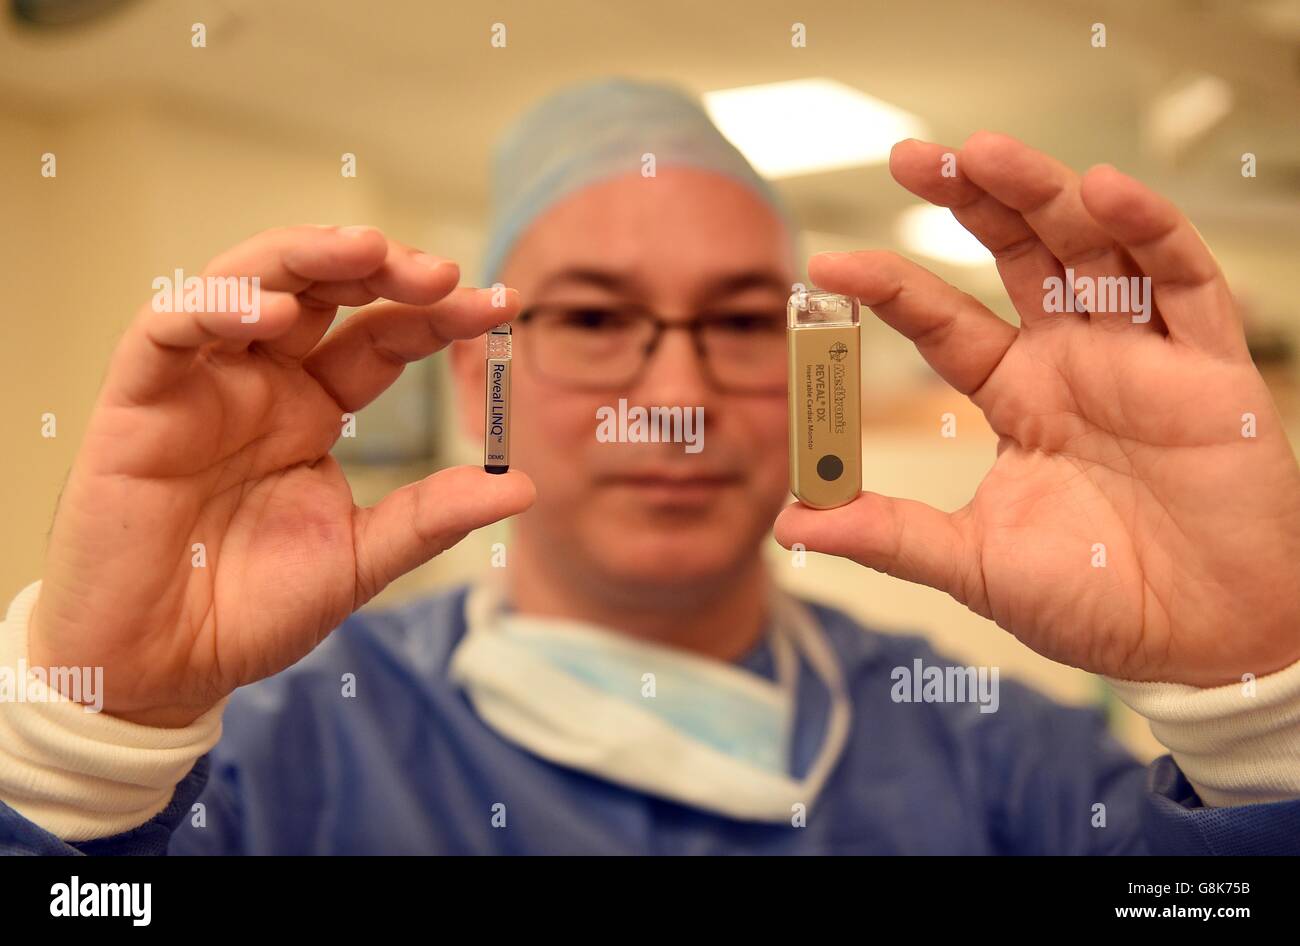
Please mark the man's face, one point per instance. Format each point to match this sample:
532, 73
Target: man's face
686, 243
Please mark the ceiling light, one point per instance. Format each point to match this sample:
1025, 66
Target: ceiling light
809, 125
1185, 113
932, 231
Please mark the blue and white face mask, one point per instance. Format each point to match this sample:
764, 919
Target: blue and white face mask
736, 713
673, 724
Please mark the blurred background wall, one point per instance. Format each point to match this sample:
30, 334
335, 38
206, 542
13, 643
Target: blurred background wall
168, 152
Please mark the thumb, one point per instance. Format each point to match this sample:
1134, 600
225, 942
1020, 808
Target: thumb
899, 537
413, 524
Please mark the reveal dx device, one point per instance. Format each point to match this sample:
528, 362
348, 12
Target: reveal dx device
825, 408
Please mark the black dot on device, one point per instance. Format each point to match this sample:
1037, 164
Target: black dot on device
830, 467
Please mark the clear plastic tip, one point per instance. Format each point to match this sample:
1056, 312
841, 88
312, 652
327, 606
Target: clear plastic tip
816, 307
499, 342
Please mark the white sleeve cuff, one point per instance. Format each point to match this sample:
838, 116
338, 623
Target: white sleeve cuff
77, 773
1238, 744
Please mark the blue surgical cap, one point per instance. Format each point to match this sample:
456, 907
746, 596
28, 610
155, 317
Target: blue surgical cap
597, 130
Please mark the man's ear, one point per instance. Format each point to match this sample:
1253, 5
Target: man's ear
468, 378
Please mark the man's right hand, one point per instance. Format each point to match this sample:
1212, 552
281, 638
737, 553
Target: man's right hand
217, 431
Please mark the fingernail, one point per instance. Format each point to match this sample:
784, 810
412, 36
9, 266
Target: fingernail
431, 262
504, 293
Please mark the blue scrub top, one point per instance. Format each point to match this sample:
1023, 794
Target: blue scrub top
406, 767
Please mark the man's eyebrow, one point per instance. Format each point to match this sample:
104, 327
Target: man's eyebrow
600, 278
730, 284
751, 279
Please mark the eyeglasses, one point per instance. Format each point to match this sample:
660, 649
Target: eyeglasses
602, 347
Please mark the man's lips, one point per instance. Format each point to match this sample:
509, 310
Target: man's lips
671, 485
670, 479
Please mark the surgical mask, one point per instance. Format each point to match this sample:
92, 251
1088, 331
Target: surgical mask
659, 720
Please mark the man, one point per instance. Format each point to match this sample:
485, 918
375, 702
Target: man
635, 683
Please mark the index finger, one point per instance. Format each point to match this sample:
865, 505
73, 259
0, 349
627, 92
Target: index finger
280, 264
289, 259
1023, 260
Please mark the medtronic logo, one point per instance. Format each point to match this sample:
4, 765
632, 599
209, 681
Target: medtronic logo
838, 351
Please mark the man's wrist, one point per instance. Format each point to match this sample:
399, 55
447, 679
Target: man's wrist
164, 717
80, 774
1237, 744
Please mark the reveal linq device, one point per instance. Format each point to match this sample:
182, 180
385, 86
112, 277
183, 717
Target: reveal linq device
496, 437
825, 407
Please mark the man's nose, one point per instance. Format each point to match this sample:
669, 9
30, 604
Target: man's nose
675, 373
